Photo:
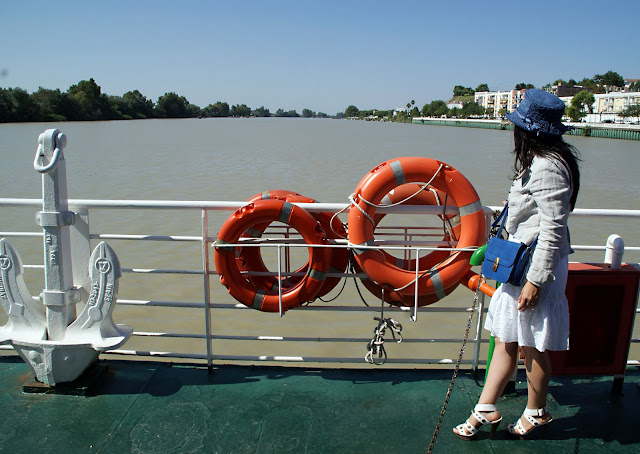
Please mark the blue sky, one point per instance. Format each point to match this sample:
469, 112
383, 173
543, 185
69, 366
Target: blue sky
321, 55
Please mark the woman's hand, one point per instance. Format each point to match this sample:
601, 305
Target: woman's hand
528, 297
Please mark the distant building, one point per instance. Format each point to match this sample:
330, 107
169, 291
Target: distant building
497, 103
607, 105
562, 90
629, 82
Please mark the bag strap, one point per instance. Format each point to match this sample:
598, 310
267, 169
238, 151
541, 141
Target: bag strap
502, 217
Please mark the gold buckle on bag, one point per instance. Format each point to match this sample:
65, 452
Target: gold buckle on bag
495, 264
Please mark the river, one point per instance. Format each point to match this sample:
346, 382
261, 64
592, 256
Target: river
233, 159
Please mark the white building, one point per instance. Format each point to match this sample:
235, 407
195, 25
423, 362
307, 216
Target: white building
498, 103
607, 106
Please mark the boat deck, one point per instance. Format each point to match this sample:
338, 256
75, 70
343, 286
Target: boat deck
158, 407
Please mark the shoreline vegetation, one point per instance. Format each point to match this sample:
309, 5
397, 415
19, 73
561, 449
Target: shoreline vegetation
85, 101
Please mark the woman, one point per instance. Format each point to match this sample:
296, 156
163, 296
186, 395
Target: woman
535, 315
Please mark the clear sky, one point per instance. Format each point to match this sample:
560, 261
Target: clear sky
321, 55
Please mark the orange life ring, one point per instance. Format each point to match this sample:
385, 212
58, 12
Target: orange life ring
263, 211
250, 258
408, 194
437, 281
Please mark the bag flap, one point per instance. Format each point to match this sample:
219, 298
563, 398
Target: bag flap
508, 251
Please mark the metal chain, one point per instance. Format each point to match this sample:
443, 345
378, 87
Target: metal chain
455, 371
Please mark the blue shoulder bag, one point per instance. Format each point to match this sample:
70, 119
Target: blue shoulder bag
506, 261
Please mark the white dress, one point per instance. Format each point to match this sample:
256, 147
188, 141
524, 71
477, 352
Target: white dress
545, 327
538, 208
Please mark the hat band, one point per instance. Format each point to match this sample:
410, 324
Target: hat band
540, 125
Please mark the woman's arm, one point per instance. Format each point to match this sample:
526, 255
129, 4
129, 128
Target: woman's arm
550, 186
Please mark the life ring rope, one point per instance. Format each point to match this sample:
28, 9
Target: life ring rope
399, 174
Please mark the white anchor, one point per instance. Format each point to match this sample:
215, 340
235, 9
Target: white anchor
58, 346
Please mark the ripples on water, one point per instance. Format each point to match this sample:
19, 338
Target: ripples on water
233, 159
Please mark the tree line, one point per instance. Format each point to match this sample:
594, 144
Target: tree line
85, 101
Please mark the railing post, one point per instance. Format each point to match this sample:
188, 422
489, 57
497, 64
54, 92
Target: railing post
478, 338
206, 283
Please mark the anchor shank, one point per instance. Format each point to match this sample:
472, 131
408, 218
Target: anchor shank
55, 219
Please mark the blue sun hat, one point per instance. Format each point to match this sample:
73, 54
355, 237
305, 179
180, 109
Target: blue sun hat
540, 112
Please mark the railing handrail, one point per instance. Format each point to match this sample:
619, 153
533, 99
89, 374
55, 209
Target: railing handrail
311, 207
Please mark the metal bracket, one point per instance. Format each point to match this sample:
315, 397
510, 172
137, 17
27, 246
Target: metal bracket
54, 298
55, 218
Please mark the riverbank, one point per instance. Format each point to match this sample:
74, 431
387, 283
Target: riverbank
608, 131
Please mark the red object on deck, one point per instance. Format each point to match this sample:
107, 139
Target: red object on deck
602, 306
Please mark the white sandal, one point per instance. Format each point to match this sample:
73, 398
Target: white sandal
530, 414
467, 430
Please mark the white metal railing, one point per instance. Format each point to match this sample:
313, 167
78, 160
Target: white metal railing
408, 235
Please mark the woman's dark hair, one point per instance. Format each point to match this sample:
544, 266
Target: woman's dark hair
528, 145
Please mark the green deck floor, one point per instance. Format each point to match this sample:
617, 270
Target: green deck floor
151, 407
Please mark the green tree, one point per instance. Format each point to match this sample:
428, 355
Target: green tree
6, 106
240, 110
116, 105
306, 113
523, 86
459, 90
437, 109
21, 106
631, 111
351, 111
135, 105
170, 105
219, 109
610, 78
583, 101
89, 102
591, 83
482, 87
573, 113
261, 112
471, 109
53, 104
194, 111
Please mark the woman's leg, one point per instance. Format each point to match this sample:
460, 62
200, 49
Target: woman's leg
503, 362
538, 368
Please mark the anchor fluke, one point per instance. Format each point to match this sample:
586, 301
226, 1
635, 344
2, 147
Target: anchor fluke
95, 324
26, 317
